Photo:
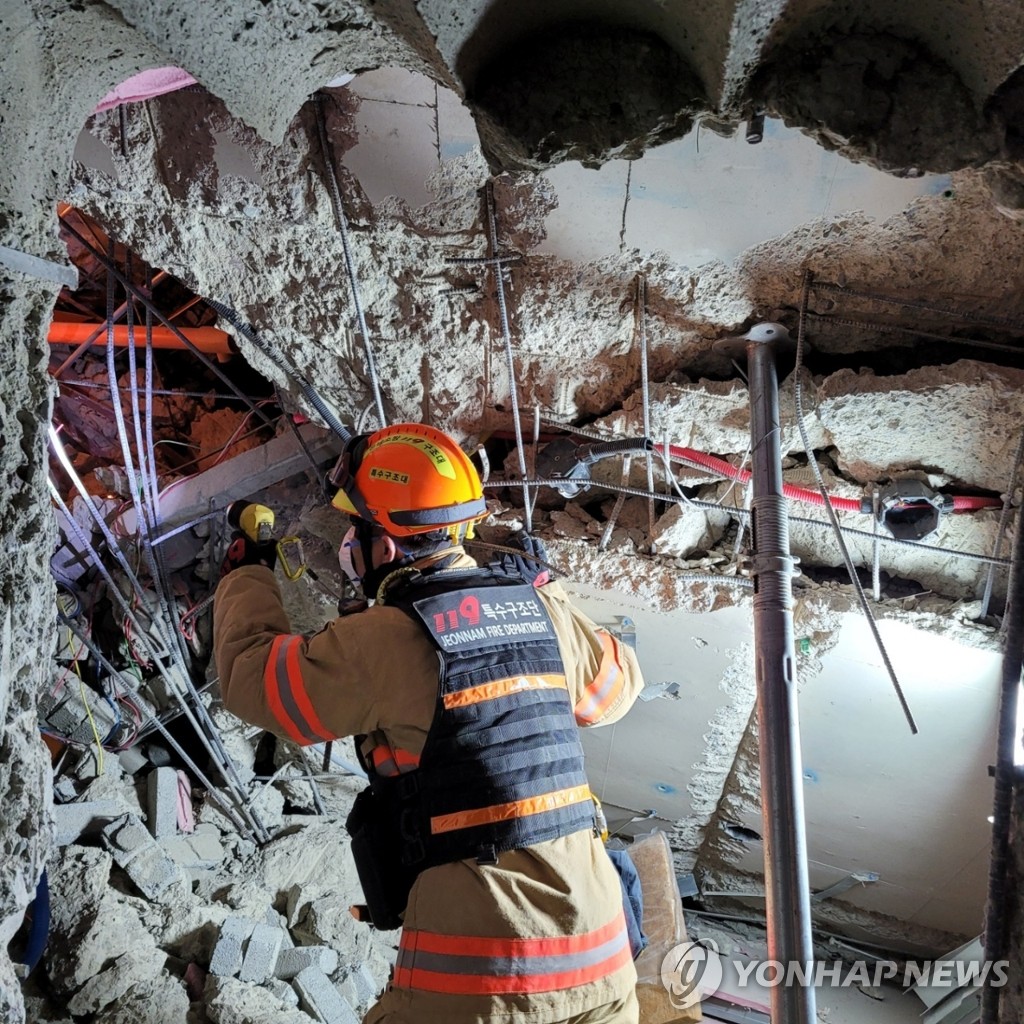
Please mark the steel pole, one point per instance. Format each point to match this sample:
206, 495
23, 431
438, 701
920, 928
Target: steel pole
786, 883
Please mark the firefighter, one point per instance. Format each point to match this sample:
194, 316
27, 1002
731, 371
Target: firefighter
464, 686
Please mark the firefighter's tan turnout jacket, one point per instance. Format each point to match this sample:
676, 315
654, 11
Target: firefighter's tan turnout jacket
535, 938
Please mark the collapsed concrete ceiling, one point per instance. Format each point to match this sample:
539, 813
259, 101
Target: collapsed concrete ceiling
226, 187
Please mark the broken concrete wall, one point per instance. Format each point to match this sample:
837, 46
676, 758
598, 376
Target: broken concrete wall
50, 80
264, 239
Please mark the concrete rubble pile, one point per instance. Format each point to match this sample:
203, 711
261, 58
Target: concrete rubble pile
163, 911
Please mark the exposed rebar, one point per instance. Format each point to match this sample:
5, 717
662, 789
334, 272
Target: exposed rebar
506, 335
1005, 777
147, 302
868, 325
833, 518
645, 391
1004, 515
350, 269
639, 492
152, 721
924, 307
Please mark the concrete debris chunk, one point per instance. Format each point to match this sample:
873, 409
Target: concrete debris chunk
132, 760
201, 851
102, 989
230, 1001
284, 992
162, 803
74, 820
228, 953
261, 953
140, 857
321, 1000
360, 989
64, 791
294, 961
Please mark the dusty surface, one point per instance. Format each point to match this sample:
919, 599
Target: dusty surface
257, 230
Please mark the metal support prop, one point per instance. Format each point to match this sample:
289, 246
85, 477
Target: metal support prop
786, 882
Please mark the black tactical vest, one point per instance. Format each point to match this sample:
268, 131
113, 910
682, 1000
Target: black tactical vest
502, 767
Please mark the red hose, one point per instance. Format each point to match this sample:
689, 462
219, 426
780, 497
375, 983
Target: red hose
961, 503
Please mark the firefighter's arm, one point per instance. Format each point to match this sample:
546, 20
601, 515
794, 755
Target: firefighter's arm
602, 673
305, 689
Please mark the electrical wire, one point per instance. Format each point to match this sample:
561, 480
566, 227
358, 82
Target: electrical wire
813, 463
210, 738
152, 720
138, 295
88, 712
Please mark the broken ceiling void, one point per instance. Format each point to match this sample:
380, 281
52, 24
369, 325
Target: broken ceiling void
1007, 107
878, 98
585, 91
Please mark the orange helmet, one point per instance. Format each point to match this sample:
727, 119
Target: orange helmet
408, 479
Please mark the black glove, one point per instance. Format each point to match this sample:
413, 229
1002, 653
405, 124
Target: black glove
244, 551
533, 569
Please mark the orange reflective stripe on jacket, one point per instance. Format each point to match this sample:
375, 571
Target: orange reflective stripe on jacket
390, 761
470, 965
515, 809
502, 688
286, 693
605, 688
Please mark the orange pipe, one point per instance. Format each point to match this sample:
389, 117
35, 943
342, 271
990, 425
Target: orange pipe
210, 340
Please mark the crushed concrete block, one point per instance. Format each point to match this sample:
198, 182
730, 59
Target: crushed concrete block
114, 785
102, 989
261, 953
160, 1000
683, 530
319, 998
284, 992
84, 946
230, 1001
132, 760
74, 820
360, 988
64, 791
201, 851
162, 802
294, 961
228, 953
138, 855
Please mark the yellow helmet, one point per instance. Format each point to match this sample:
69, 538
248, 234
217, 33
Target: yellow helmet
408, 478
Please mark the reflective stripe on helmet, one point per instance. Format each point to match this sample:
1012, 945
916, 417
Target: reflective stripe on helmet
446, 515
